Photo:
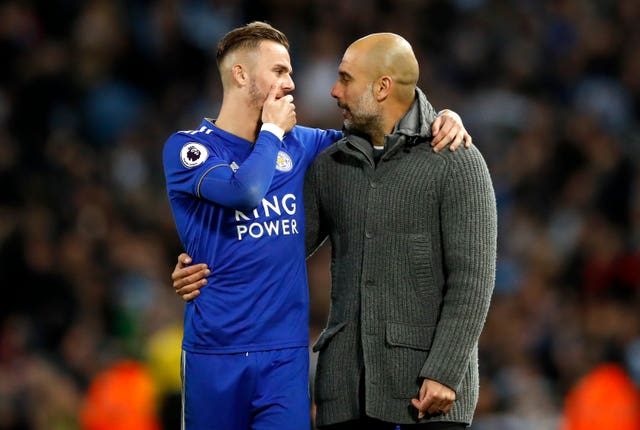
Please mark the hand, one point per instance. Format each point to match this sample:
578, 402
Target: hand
187, 280
448, 128
279, 111
435, 399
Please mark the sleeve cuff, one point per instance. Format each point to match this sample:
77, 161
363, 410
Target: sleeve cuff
271, 127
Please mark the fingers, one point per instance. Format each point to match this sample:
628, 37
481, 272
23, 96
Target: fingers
183, 260
452, 138
420, 407
273, 92
457, 140
431, 407
434, 399
428, 406
191, 291
462, 137
279, 111
468, 140
189, 275
443, 131
424, 401
187, 282
190, 296
447, 129
447, 136
435, 130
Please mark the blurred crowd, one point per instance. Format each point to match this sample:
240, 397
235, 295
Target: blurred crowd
91, 89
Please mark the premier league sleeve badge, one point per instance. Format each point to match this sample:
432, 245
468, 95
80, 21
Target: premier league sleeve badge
193, 154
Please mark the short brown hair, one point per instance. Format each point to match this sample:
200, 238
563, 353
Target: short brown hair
249, 36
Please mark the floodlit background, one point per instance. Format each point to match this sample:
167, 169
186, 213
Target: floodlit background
90, 90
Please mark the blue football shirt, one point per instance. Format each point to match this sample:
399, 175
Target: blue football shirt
256, 297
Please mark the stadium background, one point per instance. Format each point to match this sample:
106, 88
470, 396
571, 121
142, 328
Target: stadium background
89, 91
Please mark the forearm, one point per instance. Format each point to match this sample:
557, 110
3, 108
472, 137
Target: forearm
469, 229
245, 187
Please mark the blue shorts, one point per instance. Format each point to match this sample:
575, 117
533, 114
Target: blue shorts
266, 390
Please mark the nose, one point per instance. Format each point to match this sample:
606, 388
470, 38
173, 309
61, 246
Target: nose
287, 84
335, 93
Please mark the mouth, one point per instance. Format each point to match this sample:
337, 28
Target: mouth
344, 110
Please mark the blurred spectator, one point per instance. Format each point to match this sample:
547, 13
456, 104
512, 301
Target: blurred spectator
120, 397
606, 398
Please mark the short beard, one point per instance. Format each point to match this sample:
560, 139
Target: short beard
368, 119
256, 98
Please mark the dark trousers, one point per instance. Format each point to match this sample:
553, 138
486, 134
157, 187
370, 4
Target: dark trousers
372, 424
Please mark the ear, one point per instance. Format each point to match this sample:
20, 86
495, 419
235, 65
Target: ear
239, 75
382, 88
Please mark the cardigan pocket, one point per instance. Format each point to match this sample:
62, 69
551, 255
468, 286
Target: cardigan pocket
411, 336
407, 349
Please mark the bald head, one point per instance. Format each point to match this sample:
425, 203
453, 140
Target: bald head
376, 84
391, 55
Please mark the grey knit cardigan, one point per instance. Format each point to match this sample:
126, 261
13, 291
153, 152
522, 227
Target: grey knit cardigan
413, 243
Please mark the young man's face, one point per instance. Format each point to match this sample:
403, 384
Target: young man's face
354, 92
272, 65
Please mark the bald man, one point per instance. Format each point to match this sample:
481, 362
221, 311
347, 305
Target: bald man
413, 242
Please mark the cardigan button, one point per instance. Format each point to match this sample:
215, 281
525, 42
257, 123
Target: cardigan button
368, 234
373, 184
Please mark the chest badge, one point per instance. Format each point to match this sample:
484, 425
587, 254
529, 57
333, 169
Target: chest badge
284, 162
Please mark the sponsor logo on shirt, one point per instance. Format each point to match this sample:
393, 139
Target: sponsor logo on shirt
275, 216
193, 154
283, 162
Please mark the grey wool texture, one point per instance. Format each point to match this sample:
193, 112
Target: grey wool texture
413, 242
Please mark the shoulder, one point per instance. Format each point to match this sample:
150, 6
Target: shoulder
461, 157
305, 134
331, 152
179, 138
189, 148
466, 173
329, 159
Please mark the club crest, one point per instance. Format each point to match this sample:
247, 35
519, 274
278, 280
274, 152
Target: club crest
283, 162
193, 154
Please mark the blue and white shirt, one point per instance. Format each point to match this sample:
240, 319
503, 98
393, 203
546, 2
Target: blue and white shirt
238, 207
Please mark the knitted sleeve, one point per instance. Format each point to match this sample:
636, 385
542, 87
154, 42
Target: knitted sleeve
469, 235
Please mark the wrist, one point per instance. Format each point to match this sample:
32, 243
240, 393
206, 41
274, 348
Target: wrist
274, 129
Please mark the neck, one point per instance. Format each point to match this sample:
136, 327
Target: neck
377, 139
393, 114
391, 111
239, 120
387, 123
